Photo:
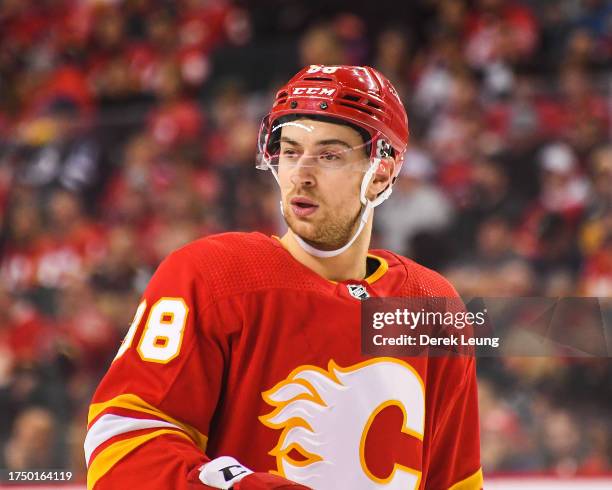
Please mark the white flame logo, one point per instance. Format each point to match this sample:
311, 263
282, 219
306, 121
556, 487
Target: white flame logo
326, 415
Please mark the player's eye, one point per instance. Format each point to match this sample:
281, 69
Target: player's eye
329, 156
289, 152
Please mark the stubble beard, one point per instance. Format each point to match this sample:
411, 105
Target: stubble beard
332, 233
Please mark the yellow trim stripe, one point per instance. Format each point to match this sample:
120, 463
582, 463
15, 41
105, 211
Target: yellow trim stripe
474, 482
134, 402
378, 273
110, 456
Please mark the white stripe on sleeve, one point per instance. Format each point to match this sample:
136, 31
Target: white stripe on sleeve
111, 425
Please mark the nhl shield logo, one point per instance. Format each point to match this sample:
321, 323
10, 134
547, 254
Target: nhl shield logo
358, 291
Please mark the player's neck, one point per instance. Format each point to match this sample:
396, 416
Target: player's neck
350, 264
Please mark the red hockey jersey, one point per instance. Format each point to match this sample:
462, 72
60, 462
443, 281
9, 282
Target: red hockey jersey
238, 349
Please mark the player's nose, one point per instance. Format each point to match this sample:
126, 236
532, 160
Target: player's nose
303, 172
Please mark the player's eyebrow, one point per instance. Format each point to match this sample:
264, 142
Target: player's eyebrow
284, 139
334, 142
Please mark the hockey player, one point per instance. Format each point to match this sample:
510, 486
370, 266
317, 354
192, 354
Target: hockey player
243, 367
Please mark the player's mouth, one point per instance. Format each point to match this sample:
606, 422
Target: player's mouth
302, 206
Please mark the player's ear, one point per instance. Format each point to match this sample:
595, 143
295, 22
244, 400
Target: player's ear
382, 177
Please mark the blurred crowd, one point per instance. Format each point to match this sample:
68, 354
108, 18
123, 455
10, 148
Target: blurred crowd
128, 128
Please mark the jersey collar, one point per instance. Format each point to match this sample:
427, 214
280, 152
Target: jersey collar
383, 265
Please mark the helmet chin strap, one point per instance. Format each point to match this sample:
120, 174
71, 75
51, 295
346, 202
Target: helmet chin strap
325, 254
365, 213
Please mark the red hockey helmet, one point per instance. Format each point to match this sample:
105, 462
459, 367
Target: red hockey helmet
359, 95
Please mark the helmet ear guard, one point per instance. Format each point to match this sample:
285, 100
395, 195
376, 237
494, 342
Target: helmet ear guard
385, 169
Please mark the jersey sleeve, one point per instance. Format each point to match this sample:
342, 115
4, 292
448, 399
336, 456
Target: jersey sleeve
455, 443
149, 418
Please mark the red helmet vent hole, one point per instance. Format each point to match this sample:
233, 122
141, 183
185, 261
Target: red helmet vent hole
318, 79
356, 107
354, 98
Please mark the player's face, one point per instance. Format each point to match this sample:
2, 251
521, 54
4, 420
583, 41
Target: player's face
320, 169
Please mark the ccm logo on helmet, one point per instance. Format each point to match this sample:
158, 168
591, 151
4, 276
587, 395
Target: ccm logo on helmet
313, 91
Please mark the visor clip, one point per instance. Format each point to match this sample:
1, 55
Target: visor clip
383, 149
323, 105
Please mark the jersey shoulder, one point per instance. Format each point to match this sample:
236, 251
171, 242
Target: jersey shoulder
417, 280
235, 262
